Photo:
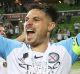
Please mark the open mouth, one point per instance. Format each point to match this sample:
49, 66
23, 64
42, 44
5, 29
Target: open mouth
29, 31
30, 34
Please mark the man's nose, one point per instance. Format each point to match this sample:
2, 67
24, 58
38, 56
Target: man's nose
29, 25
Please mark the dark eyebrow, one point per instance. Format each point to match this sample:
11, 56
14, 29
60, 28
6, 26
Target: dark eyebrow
35, 18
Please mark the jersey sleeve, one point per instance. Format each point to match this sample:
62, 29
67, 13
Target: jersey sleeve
73, 46
7, 45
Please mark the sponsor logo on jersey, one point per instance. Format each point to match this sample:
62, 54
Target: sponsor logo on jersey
36, 57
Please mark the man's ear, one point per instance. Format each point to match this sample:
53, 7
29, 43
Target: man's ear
51, 26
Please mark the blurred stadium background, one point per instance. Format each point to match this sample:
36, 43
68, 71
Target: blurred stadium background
12, 13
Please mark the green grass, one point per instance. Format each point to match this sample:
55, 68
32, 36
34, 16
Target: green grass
76, 65
76, 68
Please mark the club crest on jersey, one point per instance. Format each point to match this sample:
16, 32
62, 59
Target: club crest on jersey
53, 57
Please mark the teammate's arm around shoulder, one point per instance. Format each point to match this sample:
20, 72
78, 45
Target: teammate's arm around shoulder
21, 38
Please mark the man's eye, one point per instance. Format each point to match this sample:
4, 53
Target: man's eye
37, 19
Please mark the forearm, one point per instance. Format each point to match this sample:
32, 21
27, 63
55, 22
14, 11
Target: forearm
21, 38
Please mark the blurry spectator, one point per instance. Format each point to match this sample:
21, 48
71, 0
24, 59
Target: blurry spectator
76, 27
68, 18
2, 29
9, 31
68, 33
17, 30
64, 34
59, 35
61, 19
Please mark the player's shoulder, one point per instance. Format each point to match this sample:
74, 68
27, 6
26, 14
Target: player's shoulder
56, 46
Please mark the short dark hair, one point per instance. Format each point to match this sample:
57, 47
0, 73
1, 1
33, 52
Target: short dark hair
48, 9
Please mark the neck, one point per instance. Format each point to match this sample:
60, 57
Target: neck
41, 47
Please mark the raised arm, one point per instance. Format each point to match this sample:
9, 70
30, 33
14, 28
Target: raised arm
21, 38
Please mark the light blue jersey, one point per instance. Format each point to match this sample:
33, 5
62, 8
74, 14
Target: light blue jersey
57, 59
7, 46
